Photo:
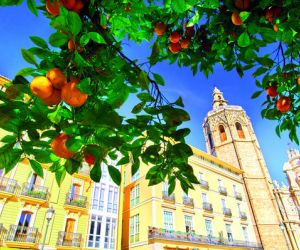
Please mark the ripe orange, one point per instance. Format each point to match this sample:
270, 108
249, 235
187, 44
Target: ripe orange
272, 91
53, 99
89, 158
298, 80
174, 37
41, 87
185, 43
242, 4
236, 19
174, 47
72, 46
56, 77
283, 104
160, 28
72, 95
275, 27
59, 146
53, 8
78, 6
69, 4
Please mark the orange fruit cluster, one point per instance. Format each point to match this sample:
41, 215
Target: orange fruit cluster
59, 146
73, 5
53, 88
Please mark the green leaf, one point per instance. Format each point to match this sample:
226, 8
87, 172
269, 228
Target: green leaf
96, 172
179, 102
265, 61
114, 174
244, 40
96, 37
74, 144
138, 108
32, 6
58, 39
10, 2
123, 160
244, 15
28, 56
135, 166
74, 23
256, 94
9, 139
179, 6
143, 80
39, 42
60, 175
37, 167
25, 71
72, 166
85, 86
158, 78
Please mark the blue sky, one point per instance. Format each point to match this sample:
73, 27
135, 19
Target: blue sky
17, 24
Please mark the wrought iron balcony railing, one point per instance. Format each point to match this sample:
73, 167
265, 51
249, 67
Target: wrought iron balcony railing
204, 184
8, 185
35, 191
76, 200
191, 237
223, 190
188, 201
207, 206
23, 234
69, 239
238, 195
227, 211
167, 197
243, 215
3, 233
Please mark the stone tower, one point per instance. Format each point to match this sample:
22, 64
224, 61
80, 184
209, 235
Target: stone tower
230, 137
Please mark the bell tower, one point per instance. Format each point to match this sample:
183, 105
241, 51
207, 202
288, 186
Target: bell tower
230, 137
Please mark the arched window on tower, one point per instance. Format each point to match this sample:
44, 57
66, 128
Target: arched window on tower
222, 133
239, 130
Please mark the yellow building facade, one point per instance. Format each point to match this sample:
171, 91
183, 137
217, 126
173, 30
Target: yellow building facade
215, 215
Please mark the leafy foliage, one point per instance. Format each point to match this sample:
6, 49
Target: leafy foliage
87, 43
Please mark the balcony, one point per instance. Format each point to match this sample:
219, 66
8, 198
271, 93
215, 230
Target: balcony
162, 235
76, 203
187, 201
227, 212
223, 190
22, 237
207, 207
34, 194
238, 196
243, 215
66, 240
3, 233
168, 198
83, 173
204, 184
8, 188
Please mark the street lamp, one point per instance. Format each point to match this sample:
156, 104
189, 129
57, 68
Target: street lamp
49, 216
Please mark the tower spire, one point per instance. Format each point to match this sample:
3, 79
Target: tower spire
218, 99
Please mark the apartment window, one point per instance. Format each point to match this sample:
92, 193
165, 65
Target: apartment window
204, 197
223, 202
188, 221
135, 176
209, 229
239, 207
135, 196
201, 177
245, 233
134, 228
109, 239
98, 197
239, 130
222, 133
94, 232
168, 221
165, 187
220, 183
112, 201
234, 188
229, 232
